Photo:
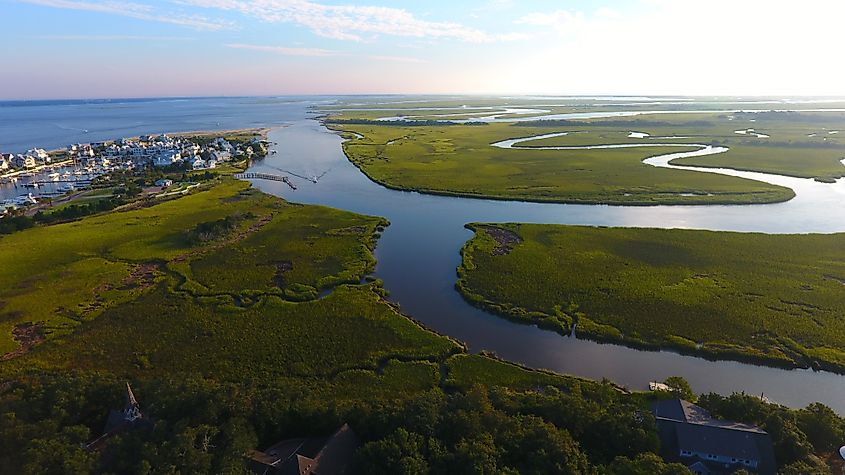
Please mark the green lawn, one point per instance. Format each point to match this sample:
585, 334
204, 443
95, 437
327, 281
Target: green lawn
771, 298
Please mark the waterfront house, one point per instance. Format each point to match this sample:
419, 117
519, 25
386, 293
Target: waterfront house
690, 435
39, 155
23, 161
308, 456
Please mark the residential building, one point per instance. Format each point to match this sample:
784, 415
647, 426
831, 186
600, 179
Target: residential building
166, 158
690, 435
220, 155
39, 154
23, 161
308, 456
198, 163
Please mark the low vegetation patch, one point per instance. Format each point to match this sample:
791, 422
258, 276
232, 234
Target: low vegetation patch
459, 160
757, 297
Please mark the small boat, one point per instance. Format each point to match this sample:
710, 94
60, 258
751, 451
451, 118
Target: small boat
26, 199
53, 176
67, 188
32, 184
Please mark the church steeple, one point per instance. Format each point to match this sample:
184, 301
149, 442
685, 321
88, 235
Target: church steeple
132, 410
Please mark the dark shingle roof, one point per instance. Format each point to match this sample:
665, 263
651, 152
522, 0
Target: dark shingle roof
311, 456
713, 440
685, 426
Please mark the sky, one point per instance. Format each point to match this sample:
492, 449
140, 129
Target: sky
54, 49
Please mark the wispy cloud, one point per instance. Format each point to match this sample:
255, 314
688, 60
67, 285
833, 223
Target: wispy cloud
397, 59
349, 22
110, 38
562, 20
137, 11
300, 51
284, 50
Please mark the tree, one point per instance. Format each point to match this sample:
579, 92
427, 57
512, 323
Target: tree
644, 464
401, 453
823, 427
680, 387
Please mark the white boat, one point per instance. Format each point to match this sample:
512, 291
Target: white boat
53, 176
32, 184
67, 188
25, 200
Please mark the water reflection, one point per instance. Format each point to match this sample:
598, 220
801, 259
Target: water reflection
417, 256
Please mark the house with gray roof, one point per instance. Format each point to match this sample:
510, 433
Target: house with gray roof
308, 456
690, 435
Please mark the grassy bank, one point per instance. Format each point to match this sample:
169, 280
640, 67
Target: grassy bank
774, 299
458, 160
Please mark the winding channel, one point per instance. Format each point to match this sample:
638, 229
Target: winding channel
419, 252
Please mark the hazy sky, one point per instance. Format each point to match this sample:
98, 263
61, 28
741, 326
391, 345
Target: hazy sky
113, 48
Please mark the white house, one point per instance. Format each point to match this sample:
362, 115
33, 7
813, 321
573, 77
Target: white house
39, 154
167, 158
198, 163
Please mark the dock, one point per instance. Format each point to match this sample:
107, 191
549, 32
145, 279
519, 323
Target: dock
265, 176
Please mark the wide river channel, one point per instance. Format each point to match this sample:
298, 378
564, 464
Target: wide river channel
419, 252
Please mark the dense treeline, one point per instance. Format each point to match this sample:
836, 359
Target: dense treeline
797, 435
201, 426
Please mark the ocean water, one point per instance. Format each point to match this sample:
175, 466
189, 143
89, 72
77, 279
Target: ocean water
58, 123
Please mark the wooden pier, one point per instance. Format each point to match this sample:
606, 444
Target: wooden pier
265, 176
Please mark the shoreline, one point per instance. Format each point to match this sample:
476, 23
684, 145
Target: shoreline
571, 329
258, 131
37, 169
